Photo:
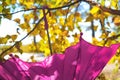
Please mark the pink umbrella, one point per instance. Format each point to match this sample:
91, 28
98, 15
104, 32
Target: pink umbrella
82, 61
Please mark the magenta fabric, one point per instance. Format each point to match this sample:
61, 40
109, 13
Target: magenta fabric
82, 61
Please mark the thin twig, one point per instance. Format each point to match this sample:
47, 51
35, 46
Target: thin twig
66, 16
92, 27
49, 41
67, 12
111, 38
16, 12
75, 12
103, 8
46, 27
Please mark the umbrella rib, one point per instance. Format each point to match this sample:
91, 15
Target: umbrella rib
79, 52
22, 69
78, 57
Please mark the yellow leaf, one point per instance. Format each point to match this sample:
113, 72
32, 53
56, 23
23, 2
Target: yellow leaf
95, 28
89, 18
28, 4
21, 1
64, 12
55, 30
65, 33
24, 26
76, 35
58, 2
18, 46
8, 36
112, 60
112, 34
78, 17
42, 34
65, 1
107, 14
13, 37
8, 16
27, 18
8, 2
71, 17
94, 10
28, 29
70, 25
13, 1
103, 35
77, 14
114, 3
102, 2
58, 13
17, 20
94, 41
61, 20
35, 32
116, 20
47, 51
3, 40
41, 13
52, 21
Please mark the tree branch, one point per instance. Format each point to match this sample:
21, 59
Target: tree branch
92, 27
41, 8
112, 11
111, 38
105, 9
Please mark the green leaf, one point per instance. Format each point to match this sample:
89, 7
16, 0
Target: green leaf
8, 1
1, 8
102, 2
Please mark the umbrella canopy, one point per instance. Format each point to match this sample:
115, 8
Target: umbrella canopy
82, 61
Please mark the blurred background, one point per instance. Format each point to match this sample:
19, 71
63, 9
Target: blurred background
22, 29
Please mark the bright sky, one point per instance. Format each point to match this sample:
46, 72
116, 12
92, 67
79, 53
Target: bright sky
8, 27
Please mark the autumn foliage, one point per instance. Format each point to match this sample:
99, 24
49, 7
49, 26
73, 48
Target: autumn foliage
63, 17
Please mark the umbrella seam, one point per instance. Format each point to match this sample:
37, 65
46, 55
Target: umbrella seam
22, 69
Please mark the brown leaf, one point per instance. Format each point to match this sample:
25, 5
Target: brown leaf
17, 20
